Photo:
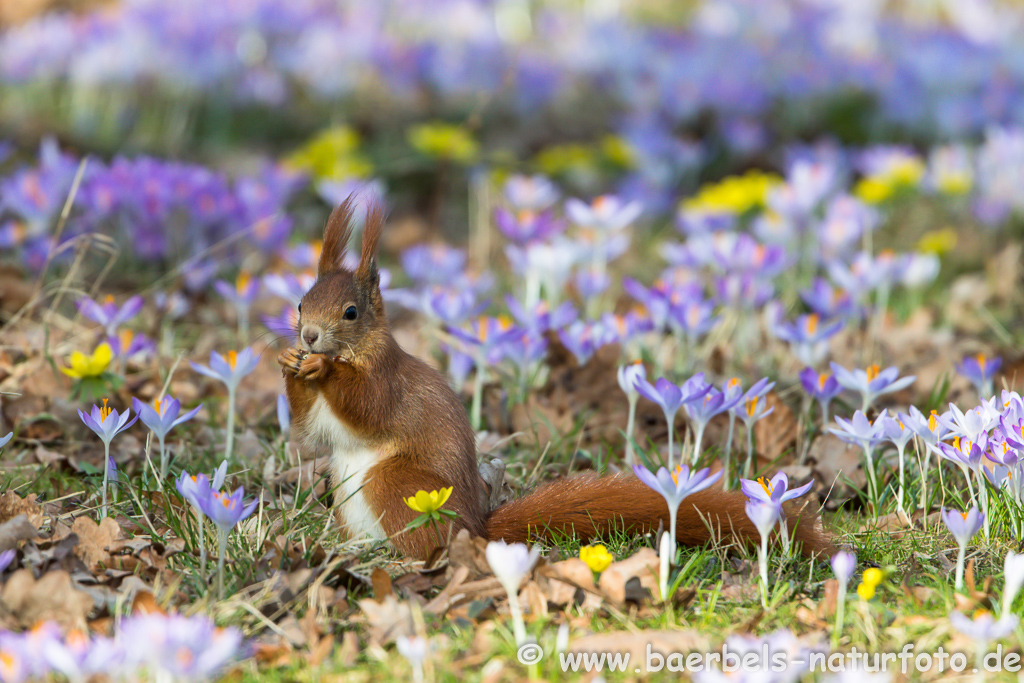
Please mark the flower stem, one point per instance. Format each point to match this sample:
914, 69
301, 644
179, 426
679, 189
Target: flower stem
697, 440
630, 424
762, 561
960, 556
163, 463
106, 478
200, 520
231, 425
478, 394
222, 543
672, 515
727, 459
837, 630
750, 452
518, 626
671, 428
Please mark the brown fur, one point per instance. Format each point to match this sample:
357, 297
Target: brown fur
417, 424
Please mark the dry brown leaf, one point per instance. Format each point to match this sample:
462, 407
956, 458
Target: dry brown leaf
827, 606
636, 643
566, 578
895, 523
94, 540
388, 620
644, 565
381, 581
533, 600
470, 552
12, 505
776, 433
14, 530
52, 598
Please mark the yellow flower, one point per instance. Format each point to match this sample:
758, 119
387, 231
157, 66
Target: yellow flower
880, 187
937, 241
735, 194
83, 366
444, 140
429, 502
596, 557
869, 581
333, 154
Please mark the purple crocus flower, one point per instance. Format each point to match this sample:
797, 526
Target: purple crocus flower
862, 432
606, 213
693, 319
971, 423
984, 628
283, 415
542, 317
5, 439
701, 411
872, 382
808, 337
242, 295
177, 647
628, 377
980, 369
433, 264
127, 344
530, 193
451, 306
161, 418
674, 486
963, 526
579, 339
774, 490
822, 387
225, 510
843, 566
524, 226
106, 423
109, 314
228, 369
671, 397
6, 557
829, 302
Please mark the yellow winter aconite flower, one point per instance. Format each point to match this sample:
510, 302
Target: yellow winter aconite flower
444, 140
83, 366
735, 194
596, 557
878, 188
333, 154
869, 582
429, 502
937, 241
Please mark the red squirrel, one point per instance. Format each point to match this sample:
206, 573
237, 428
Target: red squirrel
395, 427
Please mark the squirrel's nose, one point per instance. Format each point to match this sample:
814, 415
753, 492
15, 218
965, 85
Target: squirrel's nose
310, 333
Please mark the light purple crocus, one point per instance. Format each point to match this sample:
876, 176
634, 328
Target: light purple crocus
5, 439
194, 489
671, 397
774, 490
702, 411
862, 432
175, 647
822, 387
628, 375
674, 486
843, 566
963, 526
764, 516
107, 423
230, 371
225, 510
606, 213
899, 435
871, 383
242, 295
808, 337
980, 369
283, 415
109, 314
161, 418
6, 557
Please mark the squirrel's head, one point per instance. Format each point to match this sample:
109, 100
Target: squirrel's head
343, 312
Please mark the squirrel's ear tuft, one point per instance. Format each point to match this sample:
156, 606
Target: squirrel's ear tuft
336, 236
367, 271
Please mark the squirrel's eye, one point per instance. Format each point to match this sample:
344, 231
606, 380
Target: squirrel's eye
350, 313
300, 309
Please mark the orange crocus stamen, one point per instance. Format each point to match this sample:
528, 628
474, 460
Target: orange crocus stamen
933, 421
157, 402
872, 371
105, 411
766, 485
752, 406
734, 382
822, 378
812, 323
232, 359
242, 281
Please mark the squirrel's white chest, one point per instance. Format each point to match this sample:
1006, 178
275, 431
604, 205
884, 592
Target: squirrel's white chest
351, 460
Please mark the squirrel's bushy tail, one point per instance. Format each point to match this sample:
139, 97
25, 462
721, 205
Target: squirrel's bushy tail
588, 506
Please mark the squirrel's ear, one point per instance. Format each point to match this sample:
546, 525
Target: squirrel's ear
336, 236
367, 270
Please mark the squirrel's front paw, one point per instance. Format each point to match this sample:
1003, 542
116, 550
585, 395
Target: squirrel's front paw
313, 367
291, 359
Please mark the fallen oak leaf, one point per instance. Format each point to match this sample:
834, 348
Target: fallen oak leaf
94, 540
13, 505
52, 598
388, 619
